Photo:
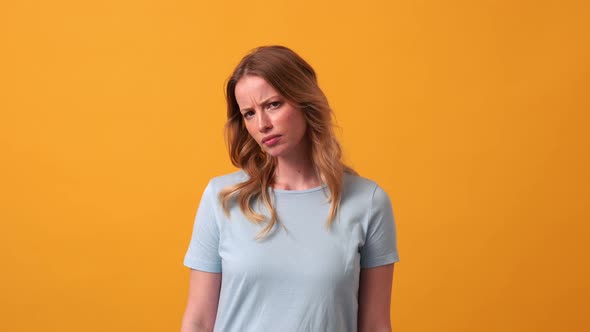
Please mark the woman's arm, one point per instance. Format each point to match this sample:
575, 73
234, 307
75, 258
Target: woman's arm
203, 299
375, 299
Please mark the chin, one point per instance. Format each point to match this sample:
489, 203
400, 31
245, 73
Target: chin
276, 152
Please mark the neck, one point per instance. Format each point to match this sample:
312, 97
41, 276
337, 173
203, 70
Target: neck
296, 172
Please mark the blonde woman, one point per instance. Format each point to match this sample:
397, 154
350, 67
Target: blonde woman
295, 240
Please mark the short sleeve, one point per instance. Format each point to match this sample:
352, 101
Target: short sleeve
380, 247
203, 250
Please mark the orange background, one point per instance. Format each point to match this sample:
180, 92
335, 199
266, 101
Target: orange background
471, 114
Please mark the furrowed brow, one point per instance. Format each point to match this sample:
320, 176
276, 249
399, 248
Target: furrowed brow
262, 103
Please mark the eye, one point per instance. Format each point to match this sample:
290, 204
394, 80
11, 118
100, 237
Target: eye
273, 105
248, 114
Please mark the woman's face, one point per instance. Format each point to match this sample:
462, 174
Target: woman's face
276, 125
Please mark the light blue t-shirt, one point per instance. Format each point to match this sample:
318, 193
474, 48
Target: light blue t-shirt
302, 279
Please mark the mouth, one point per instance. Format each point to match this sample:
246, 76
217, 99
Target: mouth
271, 140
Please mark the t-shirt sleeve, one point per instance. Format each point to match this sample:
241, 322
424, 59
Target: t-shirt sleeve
380, 247
203, 250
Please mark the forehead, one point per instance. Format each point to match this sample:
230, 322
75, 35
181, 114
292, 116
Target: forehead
252, 90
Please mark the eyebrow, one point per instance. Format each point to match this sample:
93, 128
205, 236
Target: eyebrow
265, 101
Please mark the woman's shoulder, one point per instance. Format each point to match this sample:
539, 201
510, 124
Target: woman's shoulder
222, 181
359, 189
356, 182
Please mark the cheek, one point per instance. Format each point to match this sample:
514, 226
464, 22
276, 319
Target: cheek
298, 122
250, 129
295, 120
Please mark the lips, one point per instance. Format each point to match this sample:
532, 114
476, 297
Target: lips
271, 140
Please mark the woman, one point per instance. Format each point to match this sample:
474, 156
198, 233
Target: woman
294, 240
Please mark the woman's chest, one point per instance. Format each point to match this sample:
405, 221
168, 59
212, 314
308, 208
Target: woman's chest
306, 252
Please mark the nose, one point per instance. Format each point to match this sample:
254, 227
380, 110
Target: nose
264, 123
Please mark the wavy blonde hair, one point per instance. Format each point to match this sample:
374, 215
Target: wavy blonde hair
296, 81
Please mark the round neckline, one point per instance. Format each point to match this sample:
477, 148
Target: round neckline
302, 191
